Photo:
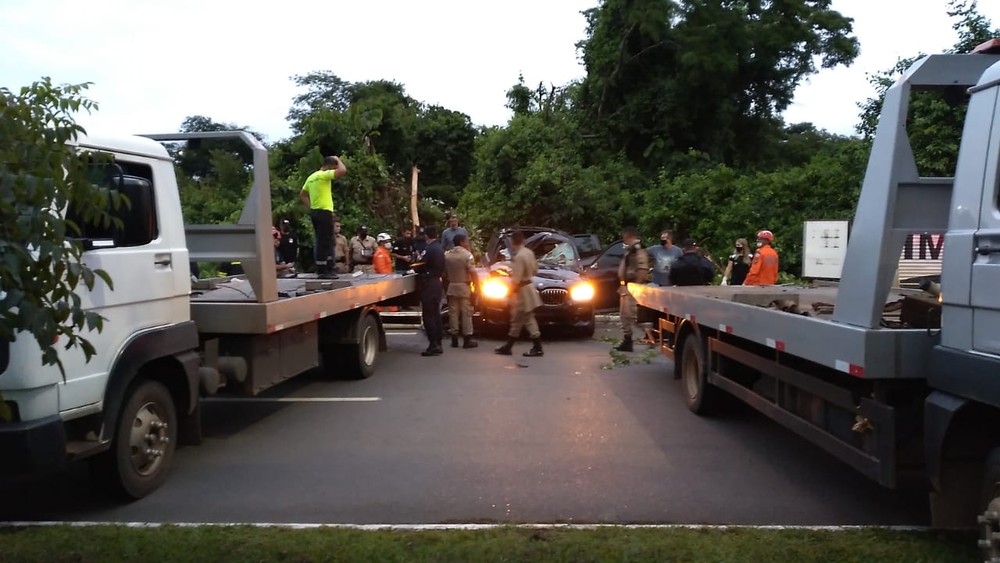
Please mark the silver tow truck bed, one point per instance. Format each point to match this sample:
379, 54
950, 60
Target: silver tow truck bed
882, 353
229, 306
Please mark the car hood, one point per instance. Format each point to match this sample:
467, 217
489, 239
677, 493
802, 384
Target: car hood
547, 276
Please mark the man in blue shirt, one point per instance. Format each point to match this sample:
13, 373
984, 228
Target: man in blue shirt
663, 255
448, 236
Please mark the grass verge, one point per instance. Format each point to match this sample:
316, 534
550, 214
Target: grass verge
244, 543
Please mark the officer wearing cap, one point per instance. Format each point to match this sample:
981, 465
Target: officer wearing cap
363, 251
691, 268
634, 268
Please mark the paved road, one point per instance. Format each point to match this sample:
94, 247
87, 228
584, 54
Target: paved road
474, 437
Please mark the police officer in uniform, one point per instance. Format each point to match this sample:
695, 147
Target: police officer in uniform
430, 270
524, 298
461, 270
634, 268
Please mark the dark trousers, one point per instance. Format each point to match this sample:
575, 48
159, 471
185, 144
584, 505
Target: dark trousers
430, 305
325, 250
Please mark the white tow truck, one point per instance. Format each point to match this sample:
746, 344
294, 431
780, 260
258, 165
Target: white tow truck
169, 340
901, 384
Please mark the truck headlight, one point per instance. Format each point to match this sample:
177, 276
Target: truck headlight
582, 291
495, 289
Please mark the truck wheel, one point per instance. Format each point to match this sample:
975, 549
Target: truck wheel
699, 394
145, 439
989, 519
356, 361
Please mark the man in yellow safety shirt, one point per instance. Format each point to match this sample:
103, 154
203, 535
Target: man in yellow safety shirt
317, 193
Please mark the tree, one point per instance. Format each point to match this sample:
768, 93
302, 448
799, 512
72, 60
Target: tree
935, 119
713, 76
41, 174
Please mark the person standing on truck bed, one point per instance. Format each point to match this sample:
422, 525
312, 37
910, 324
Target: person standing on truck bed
634, 268
430, 269
317, 193
739, 264
764, 267
662, 256
460, 266
524, 298
692, 268
363, 250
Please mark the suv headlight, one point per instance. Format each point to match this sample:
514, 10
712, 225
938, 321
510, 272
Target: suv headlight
495, 289
582, 291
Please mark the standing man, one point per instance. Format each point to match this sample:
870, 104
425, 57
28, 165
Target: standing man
449, 234
524, 298
662, 257
634, 268
363, 250
692, 268
317, 194
461, 270
342, 262
402, 251
430, 270
382, 261
764, 267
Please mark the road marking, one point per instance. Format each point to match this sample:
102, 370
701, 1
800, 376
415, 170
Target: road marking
292, 399
463, 527
401, 332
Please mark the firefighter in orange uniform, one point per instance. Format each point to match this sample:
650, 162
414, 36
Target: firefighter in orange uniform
764, 268
382, 260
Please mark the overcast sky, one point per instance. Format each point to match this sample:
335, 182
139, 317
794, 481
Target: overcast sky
154, 63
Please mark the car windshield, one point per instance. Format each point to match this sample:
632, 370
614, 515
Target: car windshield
555, 252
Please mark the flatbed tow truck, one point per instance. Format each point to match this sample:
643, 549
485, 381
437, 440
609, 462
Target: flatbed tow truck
169, 340
902, 385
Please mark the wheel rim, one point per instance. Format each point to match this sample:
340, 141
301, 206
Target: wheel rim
369, 346
690, 373
148, 439
989, 535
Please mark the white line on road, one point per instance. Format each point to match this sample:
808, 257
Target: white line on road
400, 332
462, 527
292, 399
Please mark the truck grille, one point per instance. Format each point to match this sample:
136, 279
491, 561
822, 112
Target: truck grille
554, 296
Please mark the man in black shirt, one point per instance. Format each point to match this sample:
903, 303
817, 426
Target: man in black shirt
430, 269
402, 251
692, 268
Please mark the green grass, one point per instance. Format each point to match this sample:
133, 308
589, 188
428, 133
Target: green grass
244, 543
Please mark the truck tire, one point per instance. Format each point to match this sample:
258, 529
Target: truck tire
144, 441
355, 361
698, 393
989, 518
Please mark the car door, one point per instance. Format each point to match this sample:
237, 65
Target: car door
147, 262
603, 273
985, 295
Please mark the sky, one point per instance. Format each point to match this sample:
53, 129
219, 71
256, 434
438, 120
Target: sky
154, 63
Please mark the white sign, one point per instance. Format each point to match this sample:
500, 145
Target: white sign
824, 248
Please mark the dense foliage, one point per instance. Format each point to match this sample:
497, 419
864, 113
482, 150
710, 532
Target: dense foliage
40, 176
676, 124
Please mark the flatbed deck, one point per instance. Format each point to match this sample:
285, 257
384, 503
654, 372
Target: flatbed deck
228, 305
796, 320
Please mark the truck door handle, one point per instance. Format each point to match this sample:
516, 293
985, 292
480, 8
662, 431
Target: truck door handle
162, 259
165, 262
987, 250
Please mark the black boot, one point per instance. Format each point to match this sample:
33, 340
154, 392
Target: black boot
434, 349
536, 349
626, 345
454, 341
470, 342
325, 272
505, 350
